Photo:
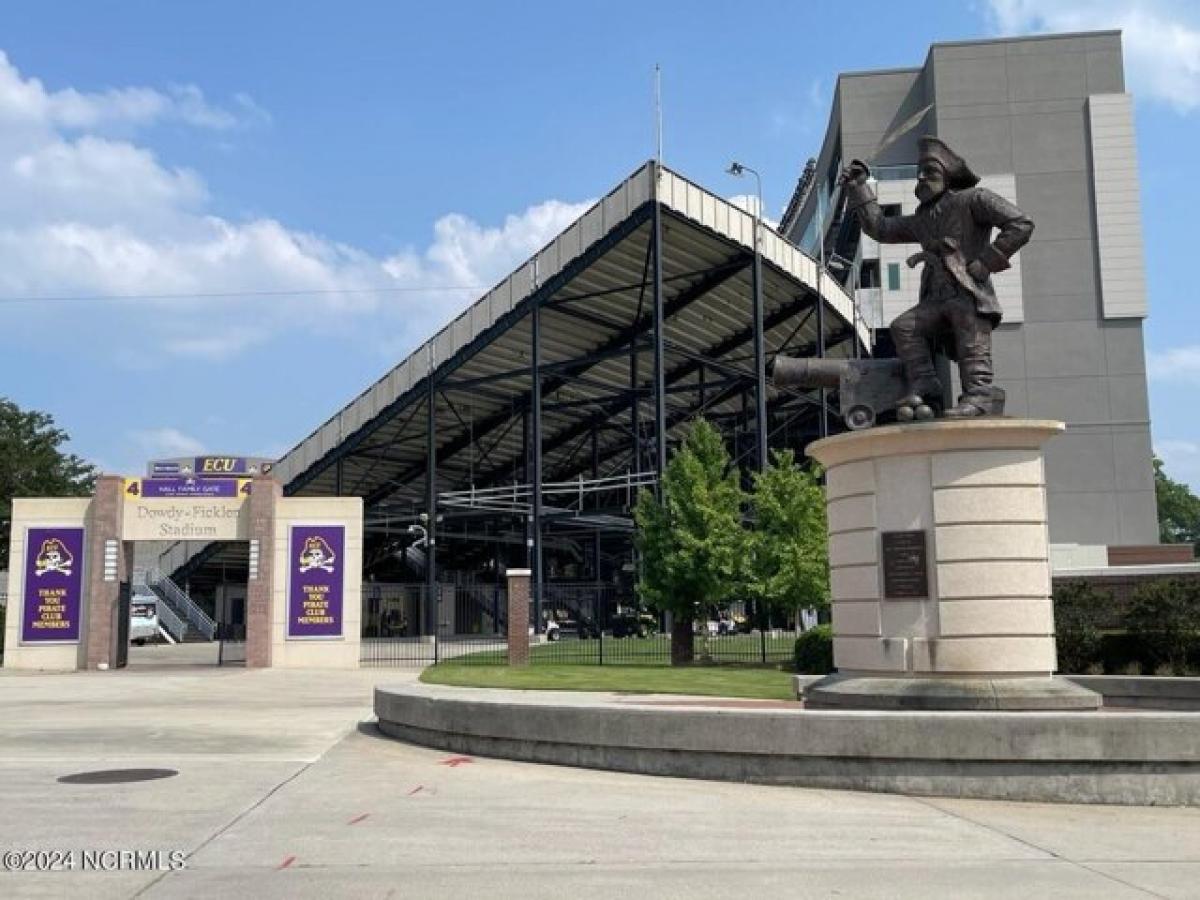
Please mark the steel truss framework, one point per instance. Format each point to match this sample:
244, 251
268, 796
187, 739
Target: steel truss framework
533, 439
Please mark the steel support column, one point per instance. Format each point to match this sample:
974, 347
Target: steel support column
823, 393
660, 387
535, 434
635, 418
525, 480
431, 599
760, 356
596, 532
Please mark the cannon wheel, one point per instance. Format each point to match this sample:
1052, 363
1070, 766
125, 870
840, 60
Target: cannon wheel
860, 417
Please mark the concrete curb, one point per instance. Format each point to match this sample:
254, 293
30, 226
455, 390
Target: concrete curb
1106, 757
1143, 692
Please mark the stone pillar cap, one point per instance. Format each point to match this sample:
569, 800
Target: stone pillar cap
984, 433
518, 573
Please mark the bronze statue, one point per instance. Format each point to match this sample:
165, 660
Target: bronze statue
957, 308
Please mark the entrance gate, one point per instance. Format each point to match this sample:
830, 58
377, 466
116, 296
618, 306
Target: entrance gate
229, 604
72, 565
232, 649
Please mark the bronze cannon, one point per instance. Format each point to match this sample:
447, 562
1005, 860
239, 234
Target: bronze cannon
867, 388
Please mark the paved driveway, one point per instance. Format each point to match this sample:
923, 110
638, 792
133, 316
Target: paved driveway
285, 790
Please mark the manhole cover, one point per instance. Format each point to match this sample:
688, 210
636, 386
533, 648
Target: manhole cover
117, 776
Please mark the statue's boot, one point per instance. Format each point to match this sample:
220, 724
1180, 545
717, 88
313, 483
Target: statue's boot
979, 398
969, 407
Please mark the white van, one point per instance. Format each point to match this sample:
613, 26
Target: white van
143, 619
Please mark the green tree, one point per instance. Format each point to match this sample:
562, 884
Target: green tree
690, 536
789, 559
1178, 510
33, 464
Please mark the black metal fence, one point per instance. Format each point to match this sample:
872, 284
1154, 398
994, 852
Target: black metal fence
232, 649
401, 627
581, 624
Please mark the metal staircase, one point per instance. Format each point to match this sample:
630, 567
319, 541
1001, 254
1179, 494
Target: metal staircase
181, 606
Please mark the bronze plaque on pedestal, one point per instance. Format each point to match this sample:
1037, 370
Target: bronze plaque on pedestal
905, 566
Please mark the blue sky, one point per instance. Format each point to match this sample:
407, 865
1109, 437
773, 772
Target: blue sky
387, 161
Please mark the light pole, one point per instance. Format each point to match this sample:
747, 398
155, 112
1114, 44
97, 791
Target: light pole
837, 261
760, 363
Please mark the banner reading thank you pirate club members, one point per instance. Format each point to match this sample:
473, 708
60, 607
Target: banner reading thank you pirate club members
53, 585
315, 583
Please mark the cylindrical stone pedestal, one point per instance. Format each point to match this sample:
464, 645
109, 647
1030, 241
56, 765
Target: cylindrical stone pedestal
939, 568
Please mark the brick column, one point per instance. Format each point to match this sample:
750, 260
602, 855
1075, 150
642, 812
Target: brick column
518, 617
260, 591
100, 596
447, 613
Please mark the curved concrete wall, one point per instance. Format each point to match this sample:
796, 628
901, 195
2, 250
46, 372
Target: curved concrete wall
1129, 758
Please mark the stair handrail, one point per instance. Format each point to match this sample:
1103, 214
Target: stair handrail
198, 617
169, 620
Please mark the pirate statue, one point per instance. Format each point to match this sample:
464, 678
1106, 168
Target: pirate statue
957, 308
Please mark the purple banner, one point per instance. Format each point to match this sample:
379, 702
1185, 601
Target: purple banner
53, 585
316, 554
186, 487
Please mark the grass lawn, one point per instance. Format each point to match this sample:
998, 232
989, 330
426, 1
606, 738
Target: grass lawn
718, 681
649, 651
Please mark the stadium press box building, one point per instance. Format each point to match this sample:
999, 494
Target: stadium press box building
1047, 122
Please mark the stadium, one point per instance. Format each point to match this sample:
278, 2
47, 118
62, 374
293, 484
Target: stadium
520, 434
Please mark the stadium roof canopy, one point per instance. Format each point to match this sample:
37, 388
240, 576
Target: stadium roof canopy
594, 289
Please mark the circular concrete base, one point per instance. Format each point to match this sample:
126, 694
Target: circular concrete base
1017, 694
1113, 756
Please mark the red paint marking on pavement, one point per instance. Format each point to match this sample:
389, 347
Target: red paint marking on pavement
456, 761
416, 790
287, 862
357, 819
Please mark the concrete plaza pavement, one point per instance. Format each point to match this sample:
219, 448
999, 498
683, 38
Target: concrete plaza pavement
285, 789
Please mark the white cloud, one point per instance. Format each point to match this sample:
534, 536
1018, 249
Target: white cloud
1179, 364
166, 441
93, 214
213, 347
1161, 39
27, 102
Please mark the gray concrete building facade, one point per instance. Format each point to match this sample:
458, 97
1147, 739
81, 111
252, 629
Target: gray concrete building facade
1046, 122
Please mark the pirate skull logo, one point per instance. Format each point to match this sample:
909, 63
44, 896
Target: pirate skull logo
53, 557
317, 554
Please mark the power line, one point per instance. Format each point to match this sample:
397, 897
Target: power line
229, 295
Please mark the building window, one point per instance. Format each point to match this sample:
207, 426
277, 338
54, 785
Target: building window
868, 276
893, 270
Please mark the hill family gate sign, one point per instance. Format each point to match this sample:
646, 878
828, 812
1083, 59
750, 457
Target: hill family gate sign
70, 557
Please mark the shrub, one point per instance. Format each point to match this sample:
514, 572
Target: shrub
1078, 608
1164, 617
814, 651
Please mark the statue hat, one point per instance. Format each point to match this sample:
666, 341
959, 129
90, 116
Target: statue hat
958, 173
